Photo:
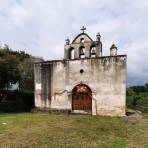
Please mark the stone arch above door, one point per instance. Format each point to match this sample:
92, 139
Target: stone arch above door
82, 98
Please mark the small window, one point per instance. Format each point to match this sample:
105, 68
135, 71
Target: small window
82, 40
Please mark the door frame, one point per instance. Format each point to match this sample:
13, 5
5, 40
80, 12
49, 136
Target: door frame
81, 88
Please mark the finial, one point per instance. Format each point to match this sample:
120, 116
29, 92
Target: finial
98, 36
82, 29
113, 46
67, 41
113, 50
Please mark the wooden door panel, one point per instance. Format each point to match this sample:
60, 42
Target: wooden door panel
81, 101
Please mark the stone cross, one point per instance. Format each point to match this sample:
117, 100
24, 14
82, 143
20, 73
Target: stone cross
83, 28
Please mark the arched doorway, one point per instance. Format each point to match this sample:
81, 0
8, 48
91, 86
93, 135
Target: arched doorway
82, 98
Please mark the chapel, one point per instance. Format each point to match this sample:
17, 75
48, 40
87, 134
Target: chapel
84, 81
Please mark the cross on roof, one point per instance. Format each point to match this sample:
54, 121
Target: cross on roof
83, 28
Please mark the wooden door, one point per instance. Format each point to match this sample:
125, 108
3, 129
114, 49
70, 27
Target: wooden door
82, 98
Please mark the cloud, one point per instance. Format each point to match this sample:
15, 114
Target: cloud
40, 27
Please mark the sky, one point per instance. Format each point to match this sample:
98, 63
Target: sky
40, 28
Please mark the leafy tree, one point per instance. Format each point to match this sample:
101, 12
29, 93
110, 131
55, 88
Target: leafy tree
9, 72
16, 66
26, 74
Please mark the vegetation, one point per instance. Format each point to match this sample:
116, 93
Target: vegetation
77, 131
16, 101
16, 67
137, 97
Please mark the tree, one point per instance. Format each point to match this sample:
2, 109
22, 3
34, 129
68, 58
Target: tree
9, 72
16, 66
26, 74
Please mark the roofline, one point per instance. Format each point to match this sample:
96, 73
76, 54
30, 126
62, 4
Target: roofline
44, 62
80, 35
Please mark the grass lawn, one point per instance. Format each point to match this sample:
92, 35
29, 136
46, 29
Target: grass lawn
23, 130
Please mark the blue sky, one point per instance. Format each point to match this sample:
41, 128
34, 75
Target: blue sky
40, 27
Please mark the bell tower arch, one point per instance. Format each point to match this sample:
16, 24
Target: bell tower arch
83, 46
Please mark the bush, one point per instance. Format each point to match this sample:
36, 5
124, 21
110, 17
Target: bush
142, 102
137, 101
16, 101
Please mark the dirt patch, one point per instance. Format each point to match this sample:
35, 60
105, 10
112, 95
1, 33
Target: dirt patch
133, 116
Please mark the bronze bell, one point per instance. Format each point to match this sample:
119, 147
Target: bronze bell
81, 52
93, 52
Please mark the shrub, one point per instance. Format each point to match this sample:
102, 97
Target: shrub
16, 101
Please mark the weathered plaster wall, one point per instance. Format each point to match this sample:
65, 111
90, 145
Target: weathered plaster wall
43, 74
106, 76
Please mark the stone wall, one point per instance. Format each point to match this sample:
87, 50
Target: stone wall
106, 77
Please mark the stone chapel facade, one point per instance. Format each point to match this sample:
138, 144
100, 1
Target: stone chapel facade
84, 81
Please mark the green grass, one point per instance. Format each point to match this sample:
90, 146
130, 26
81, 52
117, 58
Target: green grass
72, 131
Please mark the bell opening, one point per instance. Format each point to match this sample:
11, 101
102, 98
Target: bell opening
93, 52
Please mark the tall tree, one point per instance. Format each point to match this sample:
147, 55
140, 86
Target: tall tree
26, 74
16, 66
9, 72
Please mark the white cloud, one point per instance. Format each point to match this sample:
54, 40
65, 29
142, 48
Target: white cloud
41, 26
